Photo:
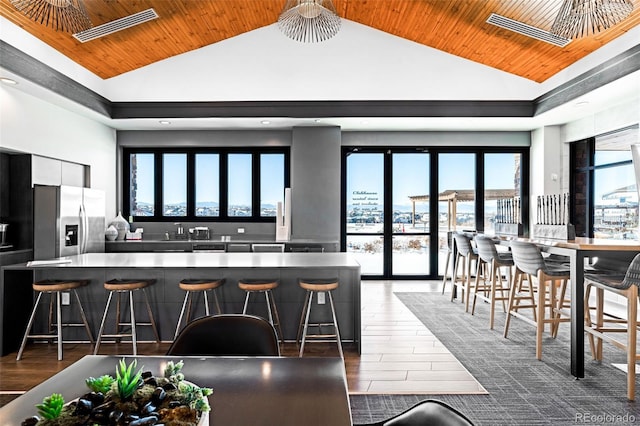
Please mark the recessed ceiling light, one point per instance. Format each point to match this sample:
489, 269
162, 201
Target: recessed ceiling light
6, 80
165, 122
265, 122
581, 104
317, 120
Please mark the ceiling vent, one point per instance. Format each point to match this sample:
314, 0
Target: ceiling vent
527, 30
115, 26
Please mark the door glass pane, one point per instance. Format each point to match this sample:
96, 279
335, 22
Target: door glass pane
174, 184
239, 190
410, 255
141, 181
501, 184
365, 198
271, 183
456, 195
615, 203
207, 185
367, 249
410, 195
365, 193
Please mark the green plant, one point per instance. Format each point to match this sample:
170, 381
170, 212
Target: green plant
172, 372
100, 384
127, 382
195, 396
51, 406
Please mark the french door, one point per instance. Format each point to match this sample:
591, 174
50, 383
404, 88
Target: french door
391, 222
386, 212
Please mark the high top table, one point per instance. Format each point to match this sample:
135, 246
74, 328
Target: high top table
16, 295
246, 391
619, 251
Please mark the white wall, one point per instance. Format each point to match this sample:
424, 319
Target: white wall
30, 125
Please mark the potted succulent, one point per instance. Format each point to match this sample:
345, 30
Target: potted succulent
131, 398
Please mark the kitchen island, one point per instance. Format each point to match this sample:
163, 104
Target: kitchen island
168, 269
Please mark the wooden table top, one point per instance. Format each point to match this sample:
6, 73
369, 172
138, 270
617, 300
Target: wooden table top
246, 391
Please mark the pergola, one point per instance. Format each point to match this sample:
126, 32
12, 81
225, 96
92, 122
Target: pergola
452, 196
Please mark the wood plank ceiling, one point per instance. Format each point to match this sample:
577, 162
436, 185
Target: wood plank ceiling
454, 26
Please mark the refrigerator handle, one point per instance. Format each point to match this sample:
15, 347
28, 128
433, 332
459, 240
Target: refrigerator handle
83, 230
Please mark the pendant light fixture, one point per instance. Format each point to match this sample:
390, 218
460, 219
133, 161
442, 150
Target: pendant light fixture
63, 15
309, 21
580, 18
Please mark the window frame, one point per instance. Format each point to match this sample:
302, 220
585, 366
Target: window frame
191, 152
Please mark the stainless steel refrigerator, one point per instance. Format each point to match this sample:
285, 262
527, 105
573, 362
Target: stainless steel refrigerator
67, 220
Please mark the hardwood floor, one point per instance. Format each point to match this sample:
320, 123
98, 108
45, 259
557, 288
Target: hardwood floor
399, 354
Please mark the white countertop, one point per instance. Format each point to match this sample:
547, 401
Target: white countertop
202, 260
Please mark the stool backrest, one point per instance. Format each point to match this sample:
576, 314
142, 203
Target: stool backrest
463, 243
227, 335
632, 277
486, 248
527, 257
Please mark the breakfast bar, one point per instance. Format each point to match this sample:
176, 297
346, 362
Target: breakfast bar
16, 296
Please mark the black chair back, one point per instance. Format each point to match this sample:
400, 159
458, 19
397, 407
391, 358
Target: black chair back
227, 335
428, 412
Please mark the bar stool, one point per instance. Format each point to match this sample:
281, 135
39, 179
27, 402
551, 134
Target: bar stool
194, 285
120, 286
467, 254
316, 286
55, 287
262, 286
447, 260
625, 285
528, 259
496, 289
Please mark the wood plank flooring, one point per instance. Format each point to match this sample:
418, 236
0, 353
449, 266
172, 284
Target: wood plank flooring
399, 354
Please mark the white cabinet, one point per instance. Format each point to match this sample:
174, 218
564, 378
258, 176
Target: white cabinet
49, 171
73, 174
45, 171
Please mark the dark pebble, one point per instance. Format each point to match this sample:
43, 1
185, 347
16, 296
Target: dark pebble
158, 396
31, 421
151, 381
144, 421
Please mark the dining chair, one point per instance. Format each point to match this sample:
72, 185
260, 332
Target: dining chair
529, 261
427, 412
605, 327
466, 253
227, 335
493, 287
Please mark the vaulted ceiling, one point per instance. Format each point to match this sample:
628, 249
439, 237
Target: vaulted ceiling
454, 26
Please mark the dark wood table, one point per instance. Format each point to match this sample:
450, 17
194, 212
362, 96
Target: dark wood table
246, 391
619, 251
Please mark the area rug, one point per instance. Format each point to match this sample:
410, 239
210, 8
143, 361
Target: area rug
522, 390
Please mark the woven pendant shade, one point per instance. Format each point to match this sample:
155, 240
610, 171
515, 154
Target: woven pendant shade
580, 18
309, 21
63, 15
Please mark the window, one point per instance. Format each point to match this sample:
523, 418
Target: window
207, 185
239, 179
604, 194
141, 173
174, 185
204, 184
271, 183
